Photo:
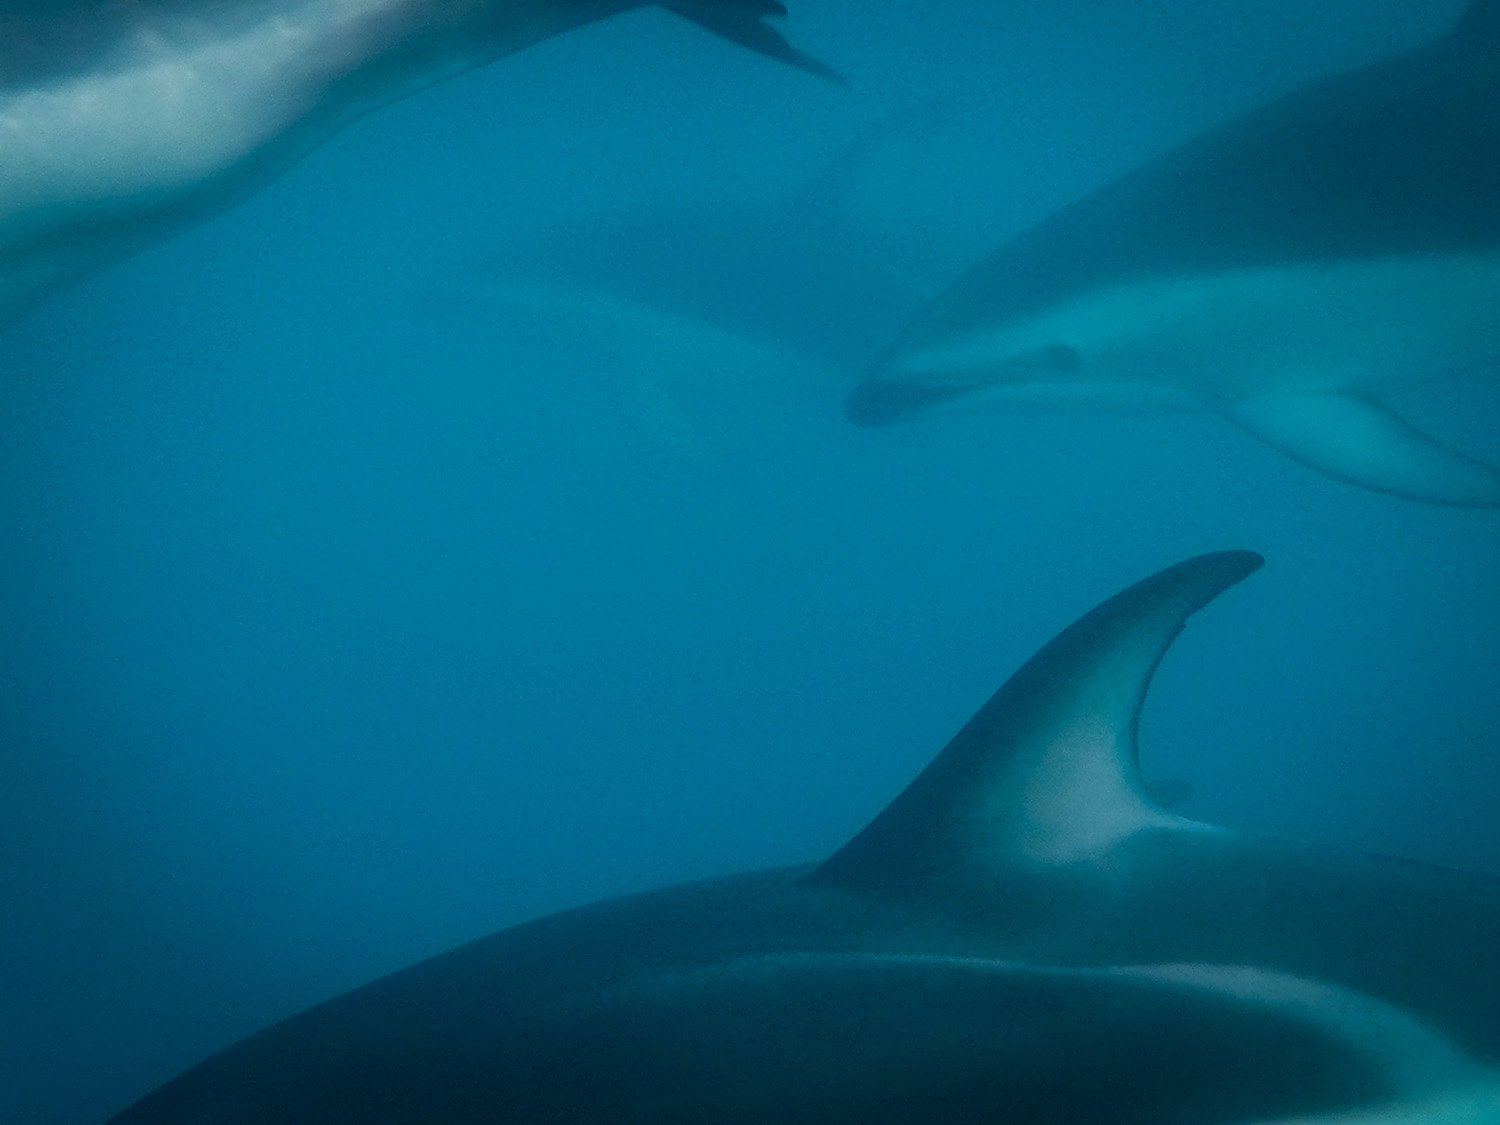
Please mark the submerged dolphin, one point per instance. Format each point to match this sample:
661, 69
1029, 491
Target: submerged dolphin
122, 122
1021, 936
683, 313
1280, 269
705, 305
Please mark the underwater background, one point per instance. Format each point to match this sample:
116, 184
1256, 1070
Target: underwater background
347, 615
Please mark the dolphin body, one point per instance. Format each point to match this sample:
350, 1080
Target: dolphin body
1280, 269
1021, 935
820, 271
710, 304
123, 122
685, 313
696, 286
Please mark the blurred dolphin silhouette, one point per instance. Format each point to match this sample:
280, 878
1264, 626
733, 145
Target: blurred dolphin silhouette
122, 121
703, 297
702, 309
1021, 936
1281, 269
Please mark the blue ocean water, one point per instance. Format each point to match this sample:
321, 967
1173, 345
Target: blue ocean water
339, 629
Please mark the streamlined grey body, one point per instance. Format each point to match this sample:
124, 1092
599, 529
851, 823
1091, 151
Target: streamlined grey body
1281, 269
122, 122
1020, 936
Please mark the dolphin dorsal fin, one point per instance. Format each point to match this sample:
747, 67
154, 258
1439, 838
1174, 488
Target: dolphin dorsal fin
1046, 772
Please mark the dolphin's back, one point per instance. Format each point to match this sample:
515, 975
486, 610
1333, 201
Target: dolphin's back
1413, 167
593, 1014
1019, 932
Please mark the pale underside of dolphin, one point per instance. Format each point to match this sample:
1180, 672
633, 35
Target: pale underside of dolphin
1021, 935
1283, 269
120, 123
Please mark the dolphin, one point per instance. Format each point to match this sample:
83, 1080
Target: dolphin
122, 122
696, 301
683, 313
1283, 269
1020, 935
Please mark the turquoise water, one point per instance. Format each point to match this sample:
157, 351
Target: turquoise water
345, 621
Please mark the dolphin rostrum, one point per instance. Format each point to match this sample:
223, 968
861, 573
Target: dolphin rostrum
1021, 935
1281, 269
123, 122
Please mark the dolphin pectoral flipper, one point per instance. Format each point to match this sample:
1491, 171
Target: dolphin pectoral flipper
744, 22
1046, 772
1357, 440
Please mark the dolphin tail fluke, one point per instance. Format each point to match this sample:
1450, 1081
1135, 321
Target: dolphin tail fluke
1359, 441
744, 22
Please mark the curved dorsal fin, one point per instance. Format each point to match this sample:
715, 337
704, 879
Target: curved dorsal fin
1046, 772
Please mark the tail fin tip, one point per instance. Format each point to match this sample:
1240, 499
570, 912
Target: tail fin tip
744, 22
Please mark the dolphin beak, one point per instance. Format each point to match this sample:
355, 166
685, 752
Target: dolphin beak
877, 402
